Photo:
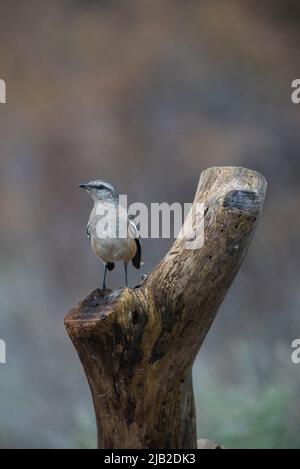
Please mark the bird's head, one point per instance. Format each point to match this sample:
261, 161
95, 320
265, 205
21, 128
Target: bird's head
100, 190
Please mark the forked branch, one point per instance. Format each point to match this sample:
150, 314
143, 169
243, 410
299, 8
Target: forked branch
138, 346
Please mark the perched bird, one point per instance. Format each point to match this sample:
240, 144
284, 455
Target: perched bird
113, 234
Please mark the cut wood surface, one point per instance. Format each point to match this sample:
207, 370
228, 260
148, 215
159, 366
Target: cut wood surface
137, 346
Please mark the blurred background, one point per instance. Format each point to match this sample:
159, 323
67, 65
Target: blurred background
146, 94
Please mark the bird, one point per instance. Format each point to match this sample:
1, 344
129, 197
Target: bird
112, 232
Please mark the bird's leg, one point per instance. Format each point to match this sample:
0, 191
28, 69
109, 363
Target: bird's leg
104, 278
126, 274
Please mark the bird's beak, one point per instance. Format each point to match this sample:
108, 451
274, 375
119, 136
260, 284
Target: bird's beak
83, 186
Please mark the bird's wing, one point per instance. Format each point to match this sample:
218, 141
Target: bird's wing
133, 233
137, 259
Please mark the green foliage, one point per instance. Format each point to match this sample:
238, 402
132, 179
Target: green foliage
85, 431
247, 418
258, 411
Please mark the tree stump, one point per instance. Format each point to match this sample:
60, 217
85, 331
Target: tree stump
138, 346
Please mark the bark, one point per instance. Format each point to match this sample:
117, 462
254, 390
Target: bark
137, 346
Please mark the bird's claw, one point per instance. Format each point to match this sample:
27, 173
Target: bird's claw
144, 278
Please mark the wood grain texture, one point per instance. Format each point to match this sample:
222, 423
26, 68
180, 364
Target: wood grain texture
138, 346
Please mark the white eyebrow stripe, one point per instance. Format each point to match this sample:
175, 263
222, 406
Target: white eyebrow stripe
97, 183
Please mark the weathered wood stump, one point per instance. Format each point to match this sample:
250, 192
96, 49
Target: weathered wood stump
138, 346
